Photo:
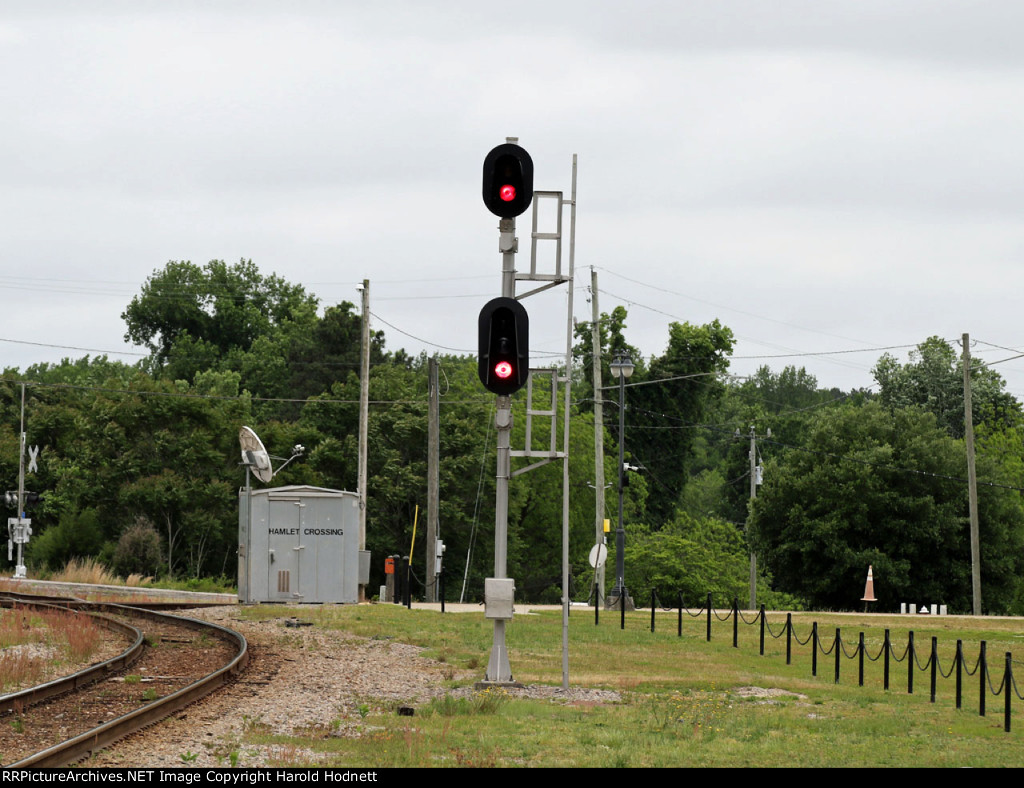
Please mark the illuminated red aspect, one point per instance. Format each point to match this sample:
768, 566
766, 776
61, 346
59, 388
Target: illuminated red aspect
503, 370
508, 192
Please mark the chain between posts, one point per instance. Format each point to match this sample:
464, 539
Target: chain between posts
840, 648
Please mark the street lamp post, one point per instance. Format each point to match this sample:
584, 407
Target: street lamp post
621, 368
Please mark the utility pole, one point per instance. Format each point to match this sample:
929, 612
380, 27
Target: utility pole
433, 451
595, 344
364, 421
754, 481
972, 478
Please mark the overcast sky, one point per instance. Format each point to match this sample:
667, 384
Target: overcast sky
820, 176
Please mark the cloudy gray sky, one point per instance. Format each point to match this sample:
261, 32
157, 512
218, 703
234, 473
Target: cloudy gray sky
823, 177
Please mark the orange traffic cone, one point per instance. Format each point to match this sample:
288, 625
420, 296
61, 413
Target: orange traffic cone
869, 589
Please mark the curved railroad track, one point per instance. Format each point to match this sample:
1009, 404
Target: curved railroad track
167, 663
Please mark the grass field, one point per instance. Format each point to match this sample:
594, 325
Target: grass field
685, 702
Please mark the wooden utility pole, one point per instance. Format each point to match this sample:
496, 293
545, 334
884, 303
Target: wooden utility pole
433, 451
972, 478
364, 421
753, 495
595, 345
754, 481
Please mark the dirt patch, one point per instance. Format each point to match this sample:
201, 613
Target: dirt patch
769, 693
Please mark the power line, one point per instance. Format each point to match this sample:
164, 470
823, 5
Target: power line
663, 289
465, 351
219, 397
73, 347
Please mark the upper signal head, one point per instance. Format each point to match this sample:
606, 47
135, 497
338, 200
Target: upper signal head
508, 180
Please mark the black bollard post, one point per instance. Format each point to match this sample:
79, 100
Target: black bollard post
1007, 687
888, 651
959, 660
982, 675
911, 658
860, 657
839, 652
935, 664
814, 649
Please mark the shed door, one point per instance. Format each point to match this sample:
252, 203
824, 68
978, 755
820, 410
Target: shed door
285, 524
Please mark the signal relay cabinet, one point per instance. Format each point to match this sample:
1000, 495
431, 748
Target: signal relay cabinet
302, 546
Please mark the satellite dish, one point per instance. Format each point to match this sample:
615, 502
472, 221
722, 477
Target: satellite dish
255, 455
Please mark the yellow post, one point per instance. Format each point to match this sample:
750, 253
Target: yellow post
415, 520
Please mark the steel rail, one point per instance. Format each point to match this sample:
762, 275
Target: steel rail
83, 745
70, 683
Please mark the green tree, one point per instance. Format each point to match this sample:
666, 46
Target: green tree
138, 550
667, 405
886, 488
782, 402
75, 535
151, 449
232, 318
319, 357
933, 380
611, 328
692, 556
223, 306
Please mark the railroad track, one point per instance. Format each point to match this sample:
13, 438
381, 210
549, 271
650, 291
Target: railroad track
167, 663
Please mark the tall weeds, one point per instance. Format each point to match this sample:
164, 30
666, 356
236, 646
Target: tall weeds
79, 632
35, 643
18, 667
85, 570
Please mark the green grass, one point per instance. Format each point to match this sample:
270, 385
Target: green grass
681, 700
213, 585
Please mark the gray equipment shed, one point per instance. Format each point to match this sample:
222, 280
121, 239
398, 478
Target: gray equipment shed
302, 546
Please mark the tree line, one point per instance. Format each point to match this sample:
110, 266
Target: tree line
140, 465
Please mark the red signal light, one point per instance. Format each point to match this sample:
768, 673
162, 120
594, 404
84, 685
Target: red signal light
503, 370
507, 192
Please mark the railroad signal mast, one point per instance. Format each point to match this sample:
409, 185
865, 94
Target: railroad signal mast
504, 369
507, 193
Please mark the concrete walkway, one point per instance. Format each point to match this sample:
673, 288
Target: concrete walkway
53, 588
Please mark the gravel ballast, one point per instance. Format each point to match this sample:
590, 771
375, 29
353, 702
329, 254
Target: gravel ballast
300, 679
